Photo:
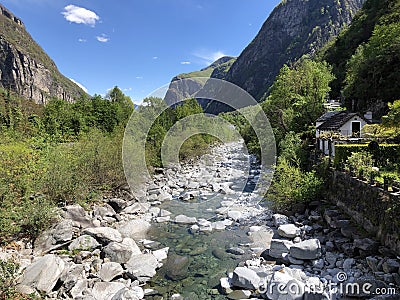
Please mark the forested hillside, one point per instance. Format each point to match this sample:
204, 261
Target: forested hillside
365, 58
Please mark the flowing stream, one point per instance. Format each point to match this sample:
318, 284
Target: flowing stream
206, 252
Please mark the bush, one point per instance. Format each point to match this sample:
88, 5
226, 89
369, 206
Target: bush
361, 163
291, 186
386, 153
78, 171
8, 274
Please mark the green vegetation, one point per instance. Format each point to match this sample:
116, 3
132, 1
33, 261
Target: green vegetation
297, 96
55, 155
365, 56
9, 270
294, 103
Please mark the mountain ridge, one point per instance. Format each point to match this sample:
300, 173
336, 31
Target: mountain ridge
26, 69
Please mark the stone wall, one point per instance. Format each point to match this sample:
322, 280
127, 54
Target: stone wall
376, 210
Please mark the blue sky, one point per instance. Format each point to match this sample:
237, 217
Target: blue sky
139, 45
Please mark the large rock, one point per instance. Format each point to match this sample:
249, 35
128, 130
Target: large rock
288, 231
44, 273
78, 215
279, 247
390, 266
182, 219
84, 242
133, 293
282, 286
177, 267
261, 237
142, 267
121, 252
110, 270
48, 240
106, 290
135, 229
245, 278
104, 235
308, 249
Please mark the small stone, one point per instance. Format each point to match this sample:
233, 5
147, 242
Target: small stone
110, 270
182, 219
288, 231
84, 242
279, 219
106, 290
308, 249
279, 247
234, 215
390, 266
235, 251
348, 263
104, 234
245, 278
225, 285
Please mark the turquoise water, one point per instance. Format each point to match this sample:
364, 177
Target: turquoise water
208, 259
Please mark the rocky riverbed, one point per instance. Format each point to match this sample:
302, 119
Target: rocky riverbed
193, 233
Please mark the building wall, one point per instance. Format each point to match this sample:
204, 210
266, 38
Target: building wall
346, 129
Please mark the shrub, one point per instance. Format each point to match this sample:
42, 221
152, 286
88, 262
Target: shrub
386, 153
291, 186
8, 274
361, 163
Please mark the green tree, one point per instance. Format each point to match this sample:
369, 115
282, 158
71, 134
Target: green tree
372, 70
297, 96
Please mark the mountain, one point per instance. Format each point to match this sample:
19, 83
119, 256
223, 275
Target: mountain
293, 29
26, 69
180, 89
368, 53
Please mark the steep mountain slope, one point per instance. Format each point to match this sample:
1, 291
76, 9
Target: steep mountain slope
294, 28
26, 69
195, 81
366, 47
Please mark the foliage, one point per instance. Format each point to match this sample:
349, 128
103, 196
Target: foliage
291, 186
361, 163
292, 150
57, 154
164, 120
370, 71
8, 275
338, 52
387, 154
392, 119
297, 96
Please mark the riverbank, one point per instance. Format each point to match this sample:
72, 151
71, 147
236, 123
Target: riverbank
193, 233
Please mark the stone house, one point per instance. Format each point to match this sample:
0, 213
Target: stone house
339, 125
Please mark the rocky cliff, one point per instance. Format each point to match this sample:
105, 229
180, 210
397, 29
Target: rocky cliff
294, 28
194, 81
26, 69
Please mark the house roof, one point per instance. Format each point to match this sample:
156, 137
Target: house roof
335, 119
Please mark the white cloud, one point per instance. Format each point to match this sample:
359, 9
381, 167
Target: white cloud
127, 89
208, 57
80, 15
139, 77
103, 38
155, 57
185, 62
80, 85
82, 40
